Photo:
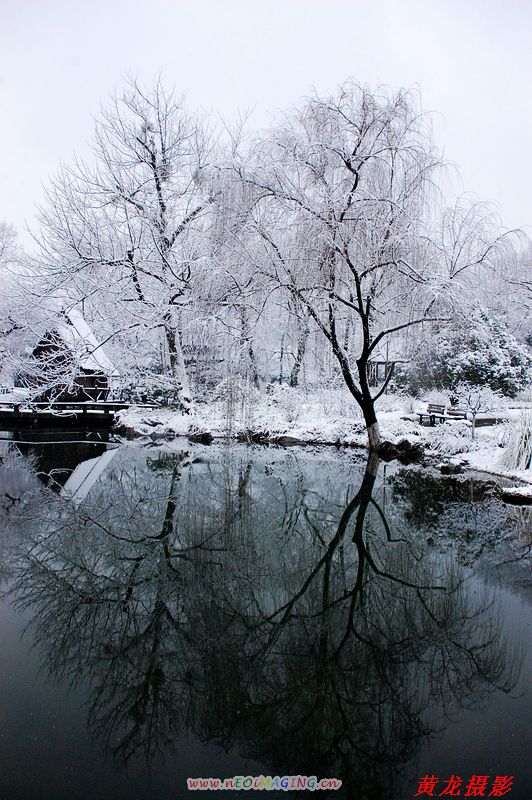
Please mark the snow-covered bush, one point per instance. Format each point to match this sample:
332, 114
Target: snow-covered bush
237, 399
286, 398
517, 453
335, 400
451, 438
161, 390
394, 401
480, 351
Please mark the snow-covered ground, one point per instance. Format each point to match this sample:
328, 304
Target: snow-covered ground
288, 416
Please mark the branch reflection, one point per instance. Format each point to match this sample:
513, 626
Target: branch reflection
237, 596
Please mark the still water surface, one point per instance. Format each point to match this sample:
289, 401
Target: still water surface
215, 611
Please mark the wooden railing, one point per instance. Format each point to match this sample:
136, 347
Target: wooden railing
29, 406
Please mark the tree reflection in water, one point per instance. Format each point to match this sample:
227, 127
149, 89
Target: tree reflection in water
234, 596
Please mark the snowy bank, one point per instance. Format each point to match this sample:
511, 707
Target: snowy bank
282, 415
521, 495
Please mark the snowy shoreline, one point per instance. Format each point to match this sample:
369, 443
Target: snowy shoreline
286, 418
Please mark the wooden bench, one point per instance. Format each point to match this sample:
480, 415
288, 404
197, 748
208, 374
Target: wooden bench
440, 413
456, 413
434, 412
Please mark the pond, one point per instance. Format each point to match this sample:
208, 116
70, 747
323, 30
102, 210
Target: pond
214, 611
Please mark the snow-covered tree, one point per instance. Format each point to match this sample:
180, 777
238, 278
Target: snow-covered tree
18, 317
124, 233
341, 189
8, 257
478, 350
317, 243
476, 400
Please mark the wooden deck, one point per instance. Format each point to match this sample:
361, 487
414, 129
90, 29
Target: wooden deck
87, 415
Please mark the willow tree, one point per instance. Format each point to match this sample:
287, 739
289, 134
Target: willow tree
124, 232
342, 188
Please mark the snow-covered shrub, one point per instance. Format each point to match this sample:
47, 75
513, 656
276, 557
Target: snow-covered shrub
451, 438
333, 399
394, 401
164, 395
480, 351
517, 453
162, 390
286, 398
396, 429
237, 398
525, 397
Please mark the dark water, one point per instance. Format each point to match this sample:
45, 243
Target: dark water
217, 611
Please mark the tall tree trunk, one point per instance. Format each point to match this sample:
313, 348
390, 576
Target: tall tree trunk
362, 394
177, 367
300, 355
367, 404
247, 343
372, 426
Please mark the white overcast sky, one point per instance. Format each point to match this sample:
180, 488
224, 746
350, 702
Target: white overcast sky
471, 59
